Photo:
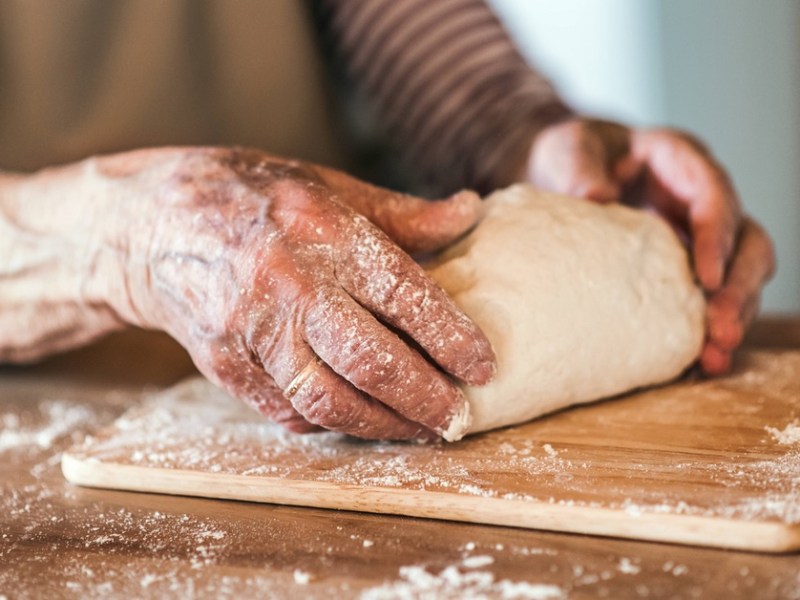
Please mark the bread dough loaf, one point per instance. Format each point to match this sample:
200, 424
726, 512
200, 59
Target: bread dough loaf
580, 302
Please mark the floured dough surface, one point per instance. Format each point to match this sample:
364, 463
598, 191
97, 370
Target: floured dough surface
580, 302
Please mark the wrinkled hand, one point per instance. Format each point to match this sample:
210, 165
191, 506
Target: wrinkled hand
673, 175
275, 273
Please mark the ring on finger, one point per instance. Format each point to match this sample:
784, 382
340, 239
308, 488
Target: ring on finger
302, 377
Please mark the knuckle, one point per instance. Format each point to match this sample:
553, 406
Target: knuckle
368, 364
403, 292
322, 406
218, 366
419, 302
383, 375
391, 290
325, 316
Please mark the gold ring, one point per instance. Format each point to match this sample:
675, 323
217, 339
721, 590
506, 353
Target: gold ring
302, 377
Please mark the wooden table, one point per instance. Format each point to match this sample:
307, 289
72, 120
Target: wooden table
60, 541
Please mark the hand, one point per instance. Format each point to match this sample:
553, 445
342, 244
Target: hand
277, 278
673, 175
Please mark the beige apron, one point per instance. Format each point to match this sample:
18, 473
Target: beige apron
81, 77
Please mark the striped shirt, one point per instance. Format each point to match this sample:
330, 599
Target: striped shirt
448, 86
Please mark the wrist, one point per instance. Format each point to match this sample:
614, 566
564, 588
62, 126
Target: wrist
143, 199
124, 207
48, 251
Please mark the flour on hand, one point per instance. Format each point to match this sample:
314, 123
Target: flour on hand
580, 301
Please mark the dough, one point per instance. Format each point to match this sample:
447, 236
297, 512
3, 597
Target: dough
580, 302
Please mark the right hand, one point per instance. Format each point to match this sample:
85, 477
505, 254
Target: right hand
274, 273
674, 175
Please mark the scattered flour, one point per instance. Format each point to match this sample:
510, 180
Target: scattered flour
627, 567
786, 436
476, 562
227, 438
148, 579
58, 419
301, 577
551, 452
674, 568
182, 555
417, 583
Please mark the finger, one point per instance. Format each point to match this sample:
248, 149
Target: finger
327, 400
715, 360
754, 263
728, 315
713, 233
732, 309
688, 178
420, 226
414, 224
375, 360
264, 395
577, 158
243, 376
392, 286
588, 175
627, 169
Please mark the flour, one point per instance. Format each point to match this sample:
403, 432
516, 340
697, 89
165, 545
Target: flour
552, 453
417, 583
57, 419
148, 579
674, 568
627, 567
771, 490
476, 562
786, 436
195, 426
301, 577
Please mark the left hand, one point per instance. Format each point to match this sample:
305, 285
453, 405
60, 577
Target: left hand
672, 174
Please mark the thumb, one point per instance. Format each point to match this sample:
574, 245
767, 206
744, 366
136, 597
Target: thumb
577, 158
592, 181
587, 175
414, 224
421, 226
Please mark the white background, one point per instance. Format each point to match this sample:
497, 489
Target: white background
727, 70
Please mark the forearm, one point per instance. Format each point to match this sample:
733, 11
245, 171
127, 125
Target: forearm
454, 93
53, 277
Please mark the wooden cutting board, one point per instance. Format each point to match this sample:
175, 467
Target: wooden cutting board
710, 462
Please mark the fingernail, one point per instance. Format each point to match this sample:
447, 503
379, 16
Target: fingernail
483, 369
480, 372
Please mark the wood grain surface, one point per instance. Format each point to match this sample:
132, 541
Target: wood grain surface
710, 462
63, 541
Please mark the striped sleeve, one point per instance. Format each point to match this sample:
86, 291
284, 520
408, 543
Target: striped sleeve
449, 87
